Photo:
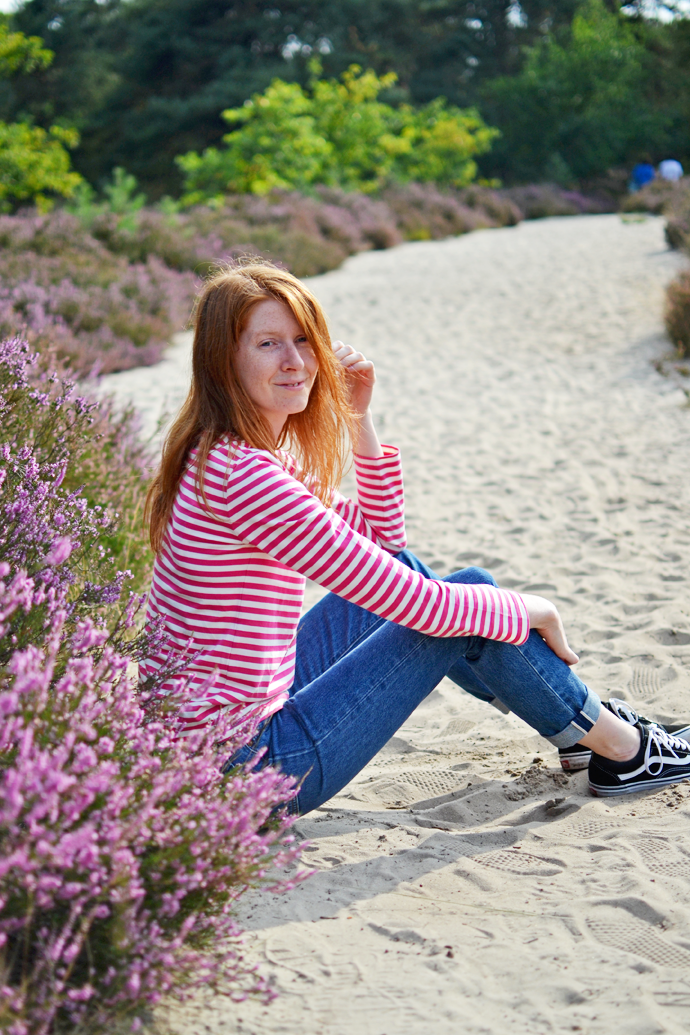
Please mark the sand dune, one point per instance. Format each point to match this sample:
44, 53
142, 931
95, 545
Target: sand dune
463, 882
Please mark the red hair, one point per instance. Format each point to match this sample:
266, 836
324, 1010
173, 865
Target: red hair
217, 405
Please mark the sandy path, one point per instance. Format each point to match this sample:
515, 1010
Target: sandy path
465, 884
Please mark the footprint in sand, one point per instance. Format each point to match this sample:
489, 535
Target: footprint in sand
645, 681
589, 828
671, 637
410, 787
455, 728
514, 860
635, 936
661, 856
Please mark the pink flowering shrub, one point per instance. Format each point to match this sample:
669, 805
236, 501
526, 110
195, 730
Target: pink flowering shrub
95, 451
541, 200
106, 285
61, 287
122, 850
311, 233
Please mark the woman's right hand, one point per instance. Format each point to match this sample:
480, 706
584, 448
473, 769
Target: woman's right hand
361, 376
545, 619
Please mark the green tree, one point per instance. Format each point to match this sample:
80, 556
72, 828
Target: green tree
145, 80
33, 161
34, 164
20, 53
444, 142
278, 145
580, 103
338, 133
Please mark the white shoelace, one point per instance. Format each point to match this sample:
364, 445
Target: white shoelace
661, 740
623, 710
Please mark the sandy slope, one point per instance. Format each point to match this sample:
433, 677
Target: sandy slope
465, 884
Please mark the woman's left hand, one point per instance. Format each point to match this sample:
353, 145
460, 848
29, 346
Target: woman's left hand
361, 376
544, 617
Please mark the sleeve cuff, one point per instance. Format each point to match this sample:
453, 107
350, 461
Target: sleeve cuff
389, 453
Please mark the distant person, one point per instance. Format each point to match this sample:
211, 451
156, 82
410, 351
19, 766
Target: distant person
642, 174
670, 169
238, 523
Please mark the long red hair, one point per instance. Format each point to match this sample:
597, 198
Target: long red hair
217, 405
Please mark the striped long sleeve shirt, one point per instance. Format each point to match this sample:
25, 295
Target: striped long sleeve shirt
229, 580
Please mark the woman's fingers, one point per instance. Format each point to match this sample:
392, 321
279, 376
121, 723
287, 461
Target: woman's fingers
361, 375
545, 619
351, 359
557, 641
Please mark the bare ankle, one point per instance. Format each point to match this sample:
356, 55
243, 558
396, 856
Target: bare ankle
612, 738
620, 753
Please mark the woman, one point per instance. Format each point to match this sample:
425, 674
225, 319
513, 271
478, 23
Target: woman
237, 523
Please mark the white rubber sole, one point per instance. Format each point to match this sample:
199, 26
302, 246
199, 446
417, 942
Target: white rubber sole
640, 785
575, 761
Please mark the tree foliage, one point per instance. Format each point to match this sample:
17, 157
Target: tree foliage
579, 105
20, 53
33, 162
146, 80
336, 133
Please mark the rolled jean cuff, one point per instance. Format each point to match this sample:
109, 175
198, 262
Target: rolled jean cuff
580, 726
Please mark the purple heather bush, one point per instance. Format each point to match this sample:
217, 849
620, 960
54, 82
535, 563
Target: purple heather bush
541, 200
62, 288
122, 849
677, 213
94, 449
668, 199
105, 287
313, 233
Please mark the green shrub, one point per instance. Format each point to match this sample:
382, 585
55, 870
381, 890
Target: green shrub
35, 165
336, 133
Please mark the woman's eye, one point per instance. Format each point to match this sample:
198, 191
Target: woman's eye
267, 343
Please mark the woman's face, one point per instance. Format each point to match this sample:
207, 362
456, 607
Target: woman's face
275, 363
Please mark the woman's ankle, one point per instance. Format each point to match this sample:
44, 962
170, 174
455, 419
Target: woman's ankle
612, 738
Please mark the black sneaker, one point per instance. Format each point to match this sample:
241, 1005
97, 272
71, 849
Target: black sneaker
662, 759
623, 710
577, 757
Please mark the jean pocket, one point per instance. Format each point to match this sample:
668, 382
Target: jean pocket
247, 751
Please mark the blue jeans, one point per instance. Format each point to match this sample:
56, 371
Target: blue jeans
358, 678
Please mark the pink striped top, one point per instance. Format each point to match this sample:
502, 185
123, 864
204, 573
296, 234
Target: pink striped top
230, 584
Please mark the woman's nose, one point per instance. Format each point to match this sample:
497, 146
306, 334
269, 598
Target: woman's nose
291, 358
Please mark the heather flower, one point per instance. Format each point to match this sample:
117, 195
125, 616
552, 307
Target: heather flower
62, 288
122, 850
61, 548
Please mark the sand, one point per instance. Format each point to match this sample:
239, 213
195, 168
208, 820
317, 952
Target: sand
464, 883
